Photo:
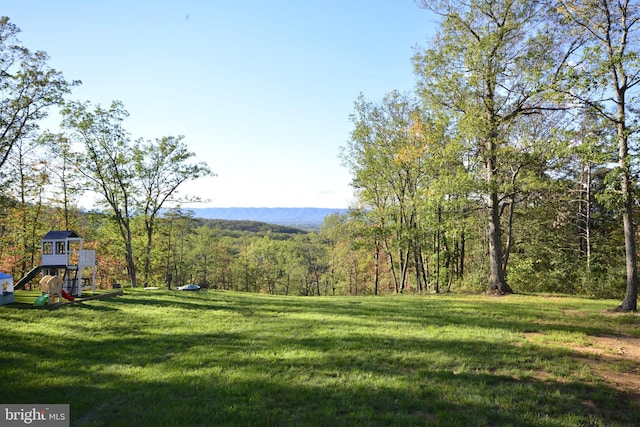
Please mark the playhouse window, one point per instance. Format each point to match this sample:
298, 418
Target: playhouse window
47, 248
60, 248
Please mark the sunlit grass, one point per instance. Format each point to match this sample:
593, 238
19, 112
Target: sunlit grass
223, 358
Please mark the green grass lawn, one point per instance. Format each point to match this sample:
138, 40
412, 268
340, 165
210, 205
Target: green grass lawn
161, 358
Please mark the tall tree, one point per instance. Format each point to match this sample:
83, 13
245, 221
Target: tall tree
608, 68
489, 67
107, 164
65, 178
177, 228
591, 153
28, 88
161, 167
31, 179
387, 157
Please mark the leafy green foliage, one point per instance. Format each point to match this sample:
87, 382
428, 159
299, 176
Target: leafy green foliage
28, 86
606, 81
488, 70
499, 166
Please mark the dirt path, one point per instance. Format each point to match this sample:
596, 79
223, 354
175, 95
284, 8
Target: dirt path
613, 358
624, 351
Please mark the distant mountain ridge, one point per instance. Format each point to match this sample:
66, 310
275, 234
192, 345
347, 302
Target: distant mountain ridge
281, 216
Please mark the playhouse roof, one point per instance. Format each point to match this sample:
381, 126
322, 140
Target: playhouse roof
5, 276
60, 235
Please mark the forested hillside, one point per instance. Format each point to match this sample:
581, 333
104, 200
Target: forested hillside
512, 167
233, 226
305, 218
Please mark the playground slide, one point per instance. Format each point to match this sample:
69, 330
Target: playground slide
26, 279
66, 295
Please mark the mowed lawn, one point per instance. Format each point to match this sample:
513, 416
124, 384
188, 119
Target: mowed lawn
163, 358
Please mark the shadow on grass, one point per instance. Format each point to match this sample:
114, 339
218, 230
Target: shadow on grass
178, 299
299, 362
210, 401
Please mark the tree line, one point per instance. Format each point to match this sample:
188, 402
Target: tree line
524, 117
512, 166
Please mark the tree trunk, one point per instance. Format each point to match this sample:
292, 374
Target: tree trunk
125, 232
147, 251
286, 289
630, 302
509, 244
587, 220
404, 267
437, 247
376, 271
497, 281
462, 254
417, 266
131, 266
423, 271
447, 261
584, 213
392, 266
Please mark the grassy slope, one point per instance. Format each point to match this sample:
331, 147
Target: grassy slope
220, 358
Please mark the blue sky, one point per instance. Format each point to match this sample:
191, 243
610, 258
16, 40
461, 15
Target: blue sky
261, 90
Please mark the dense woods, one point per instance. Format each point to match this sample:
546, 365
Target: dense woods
511, 167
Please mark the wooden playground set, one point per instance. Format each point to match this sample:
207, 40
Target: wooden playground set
67, 275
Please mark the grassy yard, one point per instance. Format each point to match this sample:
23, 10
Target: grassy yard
160, 358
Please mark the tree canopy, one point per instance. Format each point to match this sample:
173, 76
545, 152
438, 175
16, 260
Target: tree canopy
510, 168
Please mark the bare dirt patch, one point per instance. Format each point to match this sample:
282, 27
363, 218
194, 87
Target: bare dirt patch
619, 347
615, 359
